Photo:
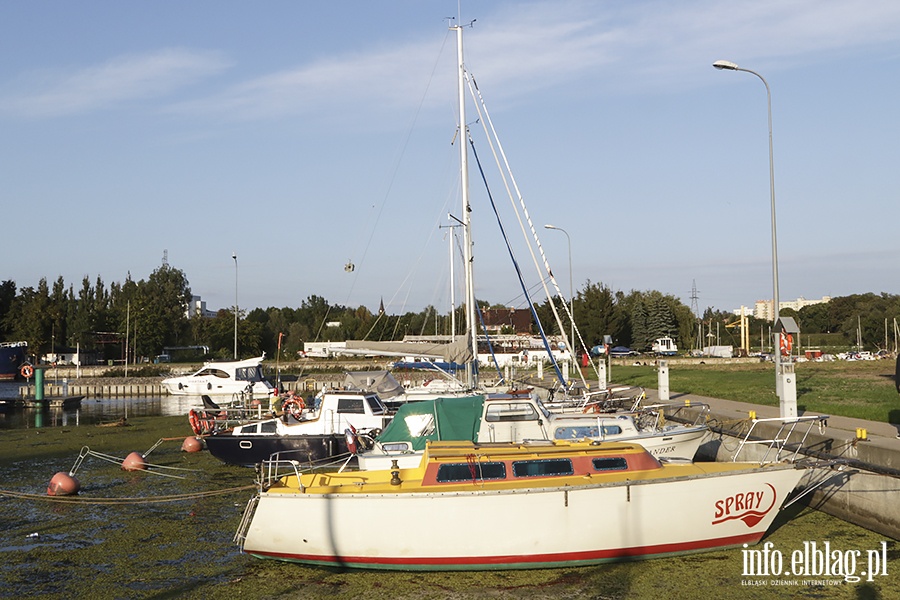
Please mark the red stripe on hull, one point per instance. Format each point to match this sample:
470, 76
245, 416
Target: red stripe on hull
529, 561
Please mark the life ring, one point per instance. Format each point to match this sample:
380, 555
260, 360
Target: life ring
293, 406
194, 419
593, 407
27, 371
787, 343
352, 440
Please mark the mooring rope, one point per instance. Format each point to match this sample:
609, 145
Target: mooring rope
125, 500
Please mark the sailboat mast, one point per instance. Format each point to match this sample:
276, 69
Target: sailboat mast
471, 372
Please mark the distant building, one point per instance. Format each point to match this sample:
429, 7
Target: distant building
516, 319
198, 307
765, 309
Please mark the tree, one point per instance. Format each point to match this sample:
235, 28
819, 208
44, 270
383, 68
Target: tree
7, 297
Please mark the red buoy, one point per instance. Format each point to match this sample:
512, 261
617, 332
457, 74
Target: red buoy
134, 462
63, 484
191, 444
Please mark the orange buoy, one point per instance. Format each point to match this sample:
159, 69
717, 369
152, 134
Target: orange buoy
63, 484
191, 444
134, 462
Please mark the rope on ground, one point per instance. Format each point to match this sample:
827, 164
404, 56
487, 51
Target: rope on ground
125, 500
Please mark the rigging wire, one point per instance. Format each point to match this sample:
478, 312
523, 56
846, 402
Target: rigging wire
389, 187
505, 169
516, 265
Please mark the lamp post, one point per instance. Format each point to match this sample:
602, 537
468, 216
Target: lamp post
234, 256
730, 66
571, 288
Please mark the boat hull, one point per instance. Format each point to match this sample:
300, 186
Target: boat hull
251, 450
520, 529
12, 356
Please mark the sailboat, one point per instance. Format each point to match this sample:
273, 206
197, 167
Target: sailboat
471, 505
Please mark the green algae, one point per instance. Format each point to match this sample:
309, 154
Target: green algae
183, 548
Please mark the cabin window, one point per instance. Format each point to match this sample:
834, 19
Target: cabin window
396, 447
512, 411
375, 405
249, 429
268, 427
585, 431
213, 373
610, 464
248, 373
455, 472
351, 405
542, 468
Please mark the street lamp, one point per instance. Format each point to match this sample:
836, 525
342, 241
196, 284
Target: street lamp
234, 256
571, 287
730, 66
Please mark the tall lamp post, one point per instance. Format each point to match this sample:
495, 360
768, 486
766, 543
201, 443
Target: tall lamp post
730, 66
234, 256
571, 288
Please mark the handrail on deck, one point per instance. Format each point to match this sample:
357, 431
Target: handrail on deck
779, 443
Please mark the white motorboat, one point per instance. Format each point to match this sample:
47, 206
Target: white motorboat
305, 433
239, 380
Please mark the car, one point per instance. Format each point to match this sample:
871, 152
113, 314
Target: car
622, 351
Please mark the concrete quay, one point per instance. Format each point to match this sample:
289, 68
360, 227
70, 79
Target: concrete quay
862, 487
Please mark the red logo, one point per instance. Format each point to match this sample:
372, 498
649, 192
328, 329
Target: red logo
746, 506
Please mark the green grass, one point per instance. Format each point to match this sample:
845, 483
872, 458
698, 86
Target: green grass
859, 389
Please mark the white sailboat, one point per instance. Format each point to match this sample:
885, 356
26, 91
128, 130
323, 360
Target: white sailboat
471, 505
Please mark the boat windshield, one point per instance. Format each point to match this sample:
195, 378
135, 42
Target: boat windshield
249, 373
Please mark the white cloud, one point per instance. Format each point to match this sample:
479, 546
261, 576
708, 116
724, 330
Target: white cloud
602, 44
117, 81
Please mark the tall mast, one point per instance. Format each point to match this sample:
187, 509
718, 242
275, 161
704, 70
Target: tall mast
471, 370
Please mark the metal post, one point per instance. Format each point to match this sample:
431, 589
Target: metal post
571, 291
234, 256
730, 66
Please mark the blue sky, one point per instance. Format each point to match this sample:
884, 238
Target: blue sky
303, 135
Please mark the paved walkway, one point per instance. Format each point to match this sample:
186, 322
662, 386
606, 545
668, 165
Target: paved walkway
879, 434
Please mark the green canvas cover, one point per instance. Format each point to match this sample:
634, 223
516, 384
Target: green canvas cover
447, 419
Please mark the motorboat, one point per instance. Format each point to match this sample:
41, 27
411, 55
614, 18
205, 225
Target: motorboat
238, 380
12, 359
542, 504
305, 433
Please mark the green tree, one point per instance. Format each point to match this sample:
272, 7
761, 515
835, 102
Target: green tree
7, 298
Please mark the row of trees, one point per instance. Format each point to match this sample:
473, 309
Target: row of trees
146, 316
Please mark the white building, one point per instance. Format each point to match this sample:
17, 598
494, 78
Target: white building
765, 309
198, 307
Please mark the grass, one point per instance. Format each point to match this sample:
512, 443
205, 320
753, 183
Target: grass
859, 389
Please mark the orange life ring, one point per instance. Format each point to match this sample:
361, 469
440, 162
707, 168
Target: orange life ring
593, 407
787, 343
27, 371
293, 406
194, 419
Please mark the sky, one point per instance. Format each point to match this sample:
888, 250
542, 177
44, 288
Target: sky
303, 136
